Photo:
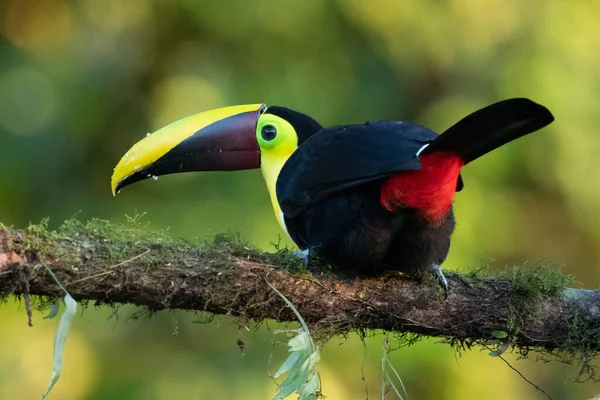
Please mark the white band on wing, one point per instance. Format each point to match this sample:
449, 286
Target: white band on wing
282, 221
421, 149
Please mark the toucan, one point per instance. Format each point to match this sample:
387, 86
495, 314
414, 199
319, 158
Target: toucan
367, 198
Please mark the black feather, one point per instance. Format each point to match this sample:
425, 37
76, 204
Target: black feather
343, 157
491, 127
304, 125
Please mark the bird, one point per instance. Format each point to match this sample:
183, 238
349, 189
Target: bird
369, 198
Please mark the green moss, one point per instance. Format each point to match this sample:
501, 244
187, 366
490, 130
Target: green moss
581, 348
227, 244
530, 287
117, 242
538, 282
110, 244
44, 242
474, 278
103, 245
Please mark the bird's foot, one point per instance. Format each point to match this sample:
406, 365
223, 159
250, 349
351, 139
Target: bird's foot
440, 278
303, 255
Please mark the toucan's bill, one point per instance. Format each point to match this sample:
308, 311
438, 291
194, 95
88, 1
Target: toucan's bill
223, 139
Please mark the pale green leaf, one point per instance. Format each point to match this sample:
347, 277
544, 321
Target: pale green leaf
307, 390
397, 377
499, 334
385, 364
502, 348
311, 361
300, 342
291, 306
301, 362
59, 341
294, 360
391, 383
54, 308
293, 381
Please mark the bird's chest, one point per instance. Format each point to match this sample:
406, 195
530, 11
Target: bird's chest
349, 229
353, 232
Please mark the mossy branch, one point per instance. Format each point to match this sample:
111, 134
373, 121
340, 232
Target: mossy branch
523, 308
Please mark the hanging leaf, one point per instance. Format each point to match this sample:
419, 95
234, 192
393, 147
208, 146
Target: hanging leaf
295, 360
499, 334
54, 308
307, 391
59, 340
301, 341
300, 365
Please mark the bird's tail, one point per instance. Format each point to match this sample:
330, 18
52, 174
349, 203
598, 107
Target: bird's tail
491, 127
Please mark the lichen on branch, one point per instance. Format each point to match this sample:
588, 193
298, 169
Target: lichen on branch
521, 308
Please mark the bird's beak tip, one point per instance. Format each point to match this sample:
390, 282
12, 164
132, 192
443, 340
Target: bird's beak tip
114, 186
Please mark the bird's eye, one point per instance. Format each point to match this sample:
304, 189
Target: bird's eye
268, 132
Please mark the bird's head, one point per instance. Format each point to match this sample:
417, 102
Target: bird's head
224, 139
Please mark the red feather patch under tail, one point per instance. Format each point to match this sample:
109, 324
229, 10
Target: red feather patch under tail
430, 189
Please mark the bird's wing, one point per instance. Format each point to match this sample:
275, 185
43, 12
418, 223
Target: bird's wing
342, 157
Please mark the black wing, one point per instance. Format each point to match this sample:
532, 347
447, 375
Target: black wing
342, 157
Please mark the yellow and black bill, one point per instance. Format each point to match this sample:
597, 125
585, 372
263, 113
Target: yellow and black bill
223, 139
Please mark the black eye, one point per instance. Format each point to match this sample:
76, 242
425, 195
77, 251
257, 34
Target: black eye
268, 132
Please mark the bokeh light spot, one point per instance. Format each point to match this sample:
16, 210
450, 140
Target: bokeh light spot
27, 101
116, 15
183, 95
39, 26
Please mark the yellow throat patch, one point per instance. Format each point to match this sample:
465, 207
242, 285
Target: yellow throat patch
274, 153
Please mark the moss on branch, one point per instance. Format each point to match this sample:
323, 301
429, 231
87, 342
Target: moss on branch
521, 308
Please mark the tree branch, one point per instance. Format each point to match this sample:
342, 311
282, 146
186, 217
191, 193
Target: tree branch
115, 264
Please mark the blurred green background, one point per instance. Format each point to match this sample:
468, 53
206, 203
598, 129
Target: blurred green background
81, 81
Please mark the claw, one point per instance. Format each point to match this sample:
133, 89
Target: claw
440, 277
303, 255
